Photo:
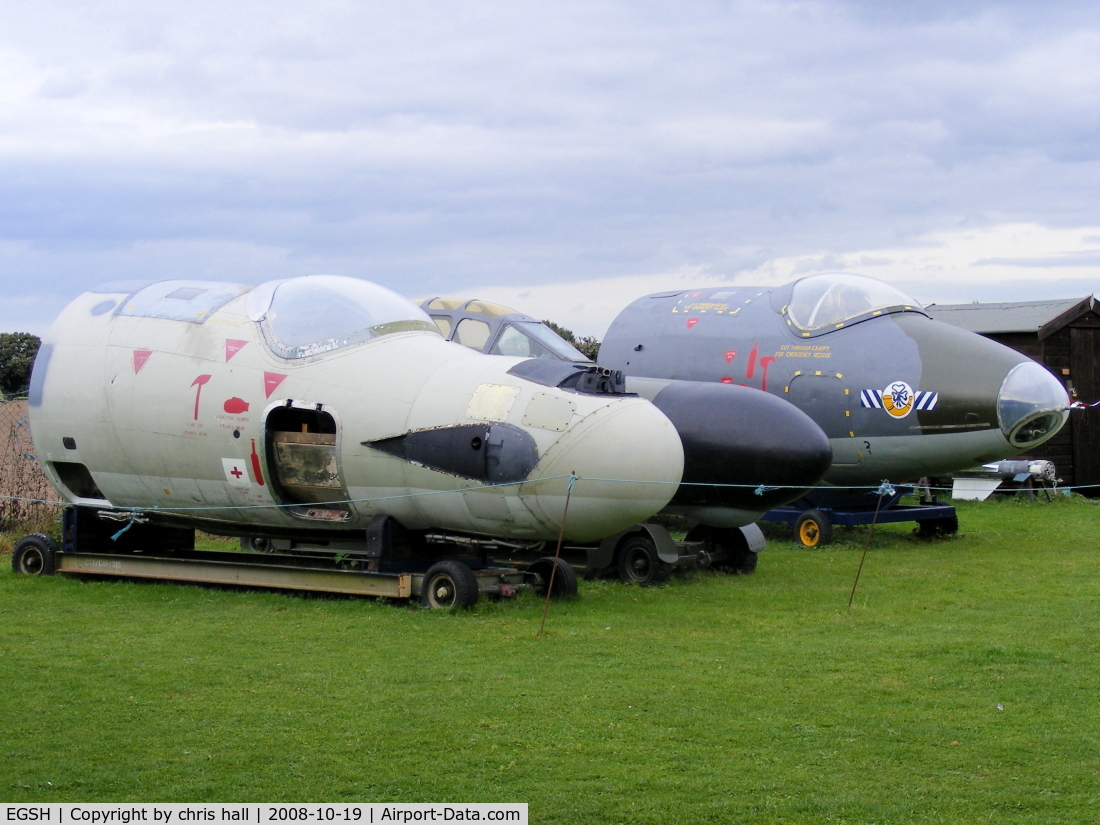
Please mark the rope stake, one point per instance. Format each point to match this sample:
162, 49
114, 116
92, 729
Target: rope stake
557, 553
882, 491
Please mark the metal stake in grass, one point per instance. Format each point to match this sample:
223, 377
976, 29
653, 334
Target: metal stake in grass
557, 552
884, 490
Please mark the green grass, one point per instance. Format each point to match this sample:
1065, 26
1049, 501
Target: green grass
961, 687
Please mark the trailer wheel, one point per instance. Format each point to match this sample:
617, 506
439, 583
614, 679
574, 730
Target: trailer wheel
34, 555
728, 545
565, 577
449, 584
930, 528
747, 562
639, 563
813, 529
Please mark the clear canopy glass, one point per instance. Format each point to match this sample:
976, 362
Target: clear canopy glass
1032, 405
833, 300
307, 316
530, 339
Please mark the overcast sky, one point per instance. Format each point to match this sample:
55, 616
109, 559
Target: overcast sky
562, 157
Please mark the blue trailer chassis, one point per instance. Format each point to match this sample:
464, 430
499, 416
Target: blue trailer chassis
846, 508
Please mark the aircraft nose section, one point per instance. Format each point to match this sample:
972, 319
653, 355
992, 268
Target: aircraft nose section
1032, 405
764, 451
628, 461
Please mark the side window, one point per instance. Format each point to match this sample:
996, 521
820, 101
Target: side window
471, 333
444, 324
513, 342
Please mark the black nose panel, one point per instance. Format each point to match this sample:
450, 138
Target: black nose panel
767, 450
493, 453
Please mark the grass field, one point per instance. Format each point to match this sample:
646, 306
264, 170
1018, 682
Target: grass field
961, 687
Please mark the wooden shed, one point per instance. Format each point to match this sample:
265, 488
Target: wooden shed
1064, 336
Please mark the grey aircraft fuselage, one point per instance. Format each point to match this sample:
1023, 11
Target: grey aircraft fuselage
311, 406
899, 395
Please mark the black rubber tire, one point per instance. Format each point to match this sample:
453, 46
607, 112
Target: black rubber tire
728, 545
638, 562
813, 529
565, 577
34, 555
748, 562
931, 528
449, 584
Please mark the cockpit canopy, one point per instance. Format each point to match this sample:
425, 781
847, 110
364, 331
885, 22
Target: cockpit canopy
314, 314
498, 330
822, 303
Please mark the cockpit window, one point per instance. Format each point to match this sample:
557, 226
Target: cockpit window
530, 339
444, 324
191, 301
488, 309
472, 333
321, 313
513, 342
822, 303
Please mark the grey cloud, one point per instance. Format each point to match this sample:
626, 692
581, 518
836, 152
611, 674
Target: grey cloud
534, 143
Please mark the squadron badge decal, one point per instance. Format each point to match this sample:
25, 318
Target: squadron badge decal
899, 399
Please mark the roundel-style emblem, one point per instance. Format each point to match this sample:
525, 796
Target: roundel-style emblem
898, 398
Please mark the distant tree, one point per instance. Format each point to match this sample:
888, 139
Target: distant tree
17, 351
567, 334
588, 345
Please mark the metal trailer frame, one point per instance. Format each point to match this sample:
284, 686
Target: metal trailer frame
95, 546
822, 508
121, 544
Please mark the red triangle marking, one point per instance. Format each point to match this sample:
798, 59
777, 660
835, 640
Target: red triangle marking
232, 347
140, 357
272, 380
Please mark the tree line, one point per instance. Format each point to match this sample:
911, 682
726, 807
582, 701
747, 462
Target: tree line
587, 345
17, 351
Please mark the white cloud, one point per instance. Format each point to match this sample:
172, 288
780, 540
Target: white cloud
996, 263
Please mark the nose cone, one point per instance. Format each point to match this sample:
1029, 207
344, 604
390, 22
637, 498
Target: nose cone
743, 448
628, 460
1032, 405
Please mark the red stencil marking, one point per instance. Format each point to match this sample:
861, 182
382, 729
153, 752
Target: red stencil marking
140, 357
692, 322
272, 380
232, 347
752, 361
256, 465
765, 362
730, 355
198, 382
235, 405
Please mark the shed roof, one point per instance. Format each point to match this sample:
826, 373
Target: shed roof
1042, 317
